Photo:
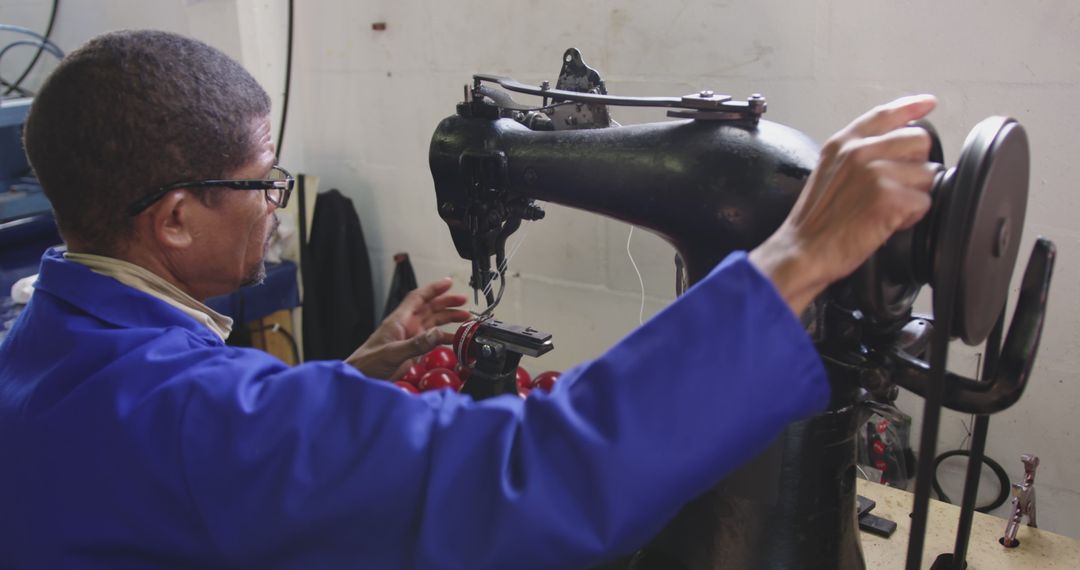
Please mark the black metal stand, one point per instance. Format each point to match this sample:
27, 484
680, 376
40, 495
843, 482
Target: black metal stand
935, 396
957, 560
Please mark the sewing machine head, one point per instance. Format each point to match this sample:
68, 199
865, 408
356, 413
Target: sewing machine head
721, 178
719, 181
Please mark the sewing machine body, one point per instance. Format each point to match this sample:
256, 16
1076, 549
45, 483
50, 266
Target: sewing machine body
709, 188
722, 179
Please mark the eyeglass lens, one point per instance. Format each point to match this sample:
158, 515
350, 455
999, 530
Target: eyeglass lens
276, 195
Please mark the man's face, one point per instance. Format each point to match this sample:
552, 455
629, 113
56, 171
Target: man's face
238, 228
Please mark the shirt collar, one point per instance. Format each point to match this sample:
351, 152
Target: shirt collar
128, 306
152, 284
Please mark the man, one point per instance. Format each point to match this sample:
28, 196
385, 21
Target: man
132, 437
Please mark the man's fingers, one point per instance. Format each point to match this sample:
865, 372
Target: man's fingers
401, 351
907, 191
913, 175
446, 317
445, 337
444, 304
911, 144
427, 340
892, 115
918, 181
918, 206
425, 294
449, 300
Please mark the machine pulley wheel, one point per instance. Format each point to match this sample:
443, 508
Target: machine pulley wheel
991, 185
971, 236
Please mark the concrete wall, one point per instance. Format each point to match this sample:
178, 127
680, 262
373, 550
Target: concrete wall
365, 103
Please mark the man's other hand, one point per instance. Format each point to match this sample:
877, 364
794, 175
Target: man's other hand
410, 331
873, 179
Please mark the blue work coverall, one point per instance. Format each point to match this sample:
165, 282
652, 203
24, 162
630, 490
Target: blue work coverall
131, 437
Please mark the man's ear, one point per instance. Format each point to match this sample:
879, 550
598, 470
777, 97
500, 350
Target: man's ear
171, 220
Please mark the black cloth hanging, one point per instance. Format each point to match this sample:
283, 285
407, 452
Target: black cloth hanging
403, 281
339, 300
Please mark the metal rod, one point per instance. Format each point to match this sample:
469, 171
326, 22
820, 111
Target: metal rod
971, 490
706, 101
978, 449
512, 85
946, 282
935, 394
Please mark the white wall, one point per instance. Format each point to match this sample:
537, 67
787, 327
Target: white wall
365, 104
233, 26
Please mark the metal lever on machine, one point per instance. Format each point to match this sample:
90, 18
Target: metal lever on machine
752, 108
1017, 356
578, 83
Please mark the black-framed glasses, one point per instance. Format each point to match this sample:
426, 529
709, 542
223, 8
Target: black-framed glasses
277, 187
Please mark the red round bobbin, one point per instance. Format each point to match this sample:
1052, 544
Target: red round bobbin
463, 341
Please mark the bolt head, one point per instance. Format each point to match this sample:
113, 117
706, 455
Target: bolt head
1001, 238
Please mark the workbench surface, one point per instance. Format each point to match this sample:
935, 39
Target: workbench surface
1038, 548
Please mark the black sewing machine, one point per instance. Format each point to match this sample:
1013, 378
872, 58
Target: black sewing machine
721, 179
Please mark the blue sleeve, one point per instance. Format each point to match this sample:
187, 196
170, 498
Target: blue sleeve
315, 466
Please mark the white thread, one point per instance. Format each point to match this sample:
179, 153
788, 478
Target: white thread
517, 246
864, 475
641, 310
506, 262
